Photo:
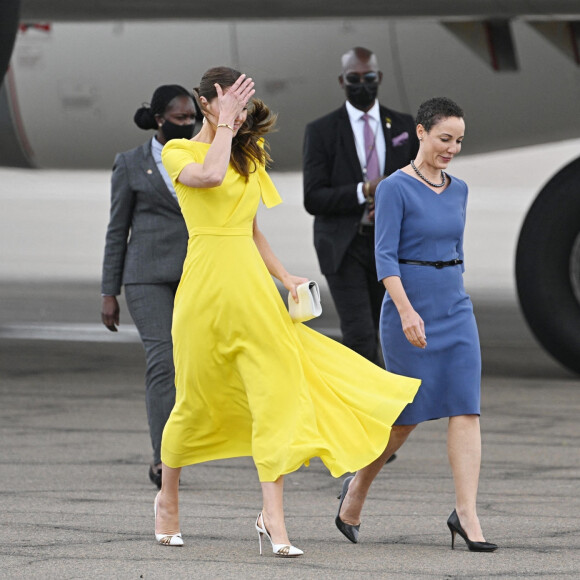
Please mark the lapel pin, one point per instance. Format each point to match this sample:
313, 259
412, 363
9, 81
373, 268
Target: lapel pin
388, 122
149, 172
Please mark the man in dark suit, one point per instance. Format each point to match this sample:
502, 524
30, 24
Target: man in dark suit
346, 154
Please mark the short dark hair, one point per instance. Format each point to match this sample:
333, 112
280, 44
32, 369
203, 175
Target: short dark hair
434, 110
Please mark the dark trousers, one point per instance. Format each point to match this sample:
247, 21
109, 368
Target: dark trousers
151, 308
358, 297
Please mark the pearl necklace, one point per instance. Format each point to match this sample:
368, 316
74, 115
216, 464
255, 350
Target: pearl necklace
443, 177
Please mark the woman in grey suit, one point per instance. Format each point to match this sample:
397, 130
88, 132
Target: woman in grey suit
145, 247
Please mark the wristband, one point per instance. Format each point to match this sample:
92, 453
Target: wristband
225, 125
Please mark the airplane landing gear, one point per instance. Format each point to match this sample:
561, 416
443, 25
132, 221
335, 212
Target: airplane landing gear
548, 266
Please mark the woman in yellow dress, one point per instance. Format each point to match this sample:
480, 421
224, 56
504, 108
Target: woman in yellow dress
249, 381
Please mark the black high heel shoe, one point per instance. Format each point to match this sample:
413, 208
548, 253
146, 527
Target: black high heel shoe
351, 532
455, 527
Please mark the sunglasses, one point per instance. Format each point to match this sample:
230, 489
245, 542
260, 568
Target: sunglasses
367, 78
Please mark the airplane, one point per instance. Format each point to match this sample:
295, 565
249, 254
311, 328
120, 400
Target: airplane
78, 71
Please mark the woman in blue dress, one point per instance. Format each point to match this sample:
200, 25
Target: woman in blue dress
428, 329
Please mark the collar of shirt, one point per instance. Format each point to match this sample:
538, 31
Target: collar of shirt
156, 149
355, 116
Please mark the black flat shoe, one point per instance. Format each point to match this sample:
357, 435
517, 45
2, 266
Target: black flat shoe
455, 527
155, 476
351, 532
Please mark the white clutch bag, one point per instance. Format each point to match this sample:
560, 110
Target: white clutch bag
308, 305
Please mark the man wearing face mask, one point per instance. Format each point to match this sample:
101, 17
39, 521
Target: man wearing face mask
145, 248
346, 154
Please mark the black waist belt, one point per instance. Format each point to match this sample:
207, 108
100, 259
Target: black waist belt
437, 265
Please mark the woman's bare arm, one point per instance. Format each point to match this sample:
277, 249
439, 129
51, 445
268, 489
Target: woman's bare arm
274, 265
412, 323
213, 170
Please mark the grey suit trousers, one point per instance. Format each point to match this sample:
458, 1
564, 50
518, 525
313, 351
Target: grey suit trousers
151, 307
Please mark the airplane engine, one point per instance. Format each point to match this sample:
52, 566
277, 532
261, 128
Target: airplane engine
548, 266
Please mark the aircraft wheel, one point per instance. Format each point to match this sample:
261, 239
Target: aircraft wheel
548, 266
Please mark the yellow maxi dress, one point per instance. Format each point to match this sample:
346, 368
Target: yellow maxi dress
249, 381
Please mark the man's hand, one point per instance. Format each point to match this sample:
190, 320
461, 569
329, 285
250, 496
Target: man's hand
370, 189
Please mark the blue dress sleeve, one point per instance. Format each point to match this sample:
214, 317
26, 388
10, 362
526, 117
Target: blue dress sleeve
460, 255
389, 212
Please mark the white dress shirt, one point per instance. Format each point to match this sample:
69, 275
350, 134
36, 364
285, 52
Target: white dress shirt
357, 123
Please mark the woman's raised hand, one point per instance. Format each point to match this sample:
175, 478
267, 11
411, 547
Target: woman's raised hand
235, 99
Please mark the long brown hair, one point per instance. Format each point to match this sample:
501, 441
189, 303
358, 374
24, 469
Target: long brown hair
247, 153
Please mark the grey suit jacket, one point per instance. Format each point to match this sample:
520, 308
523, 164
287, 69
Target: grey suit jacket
146, 238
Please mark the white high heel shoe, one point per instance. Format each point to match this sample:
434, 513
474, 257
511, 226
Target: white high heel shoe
282, 550
166, 539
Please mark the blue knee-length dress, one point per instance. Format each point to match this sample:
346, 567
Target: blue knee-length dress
413, 222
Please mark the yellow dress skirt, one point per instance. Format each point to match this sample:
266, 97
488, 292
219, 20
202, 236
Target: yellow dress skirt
249, 381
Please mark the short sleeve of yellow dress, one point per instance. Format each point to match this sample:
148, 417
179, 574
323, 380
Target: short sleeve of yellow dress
249, 381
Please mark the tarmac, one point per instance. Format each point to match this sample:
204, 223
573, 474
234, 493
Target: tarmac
75, 499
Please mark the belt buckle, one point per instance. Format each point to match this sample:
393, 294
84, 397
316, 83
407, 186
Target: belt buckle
439, 265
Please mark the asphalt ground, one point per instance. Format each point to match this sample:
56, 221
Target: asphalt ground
76, 502
75, 499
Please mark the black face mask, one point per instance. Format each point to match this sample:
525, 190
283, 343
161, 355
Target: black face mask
362, 95
173, 131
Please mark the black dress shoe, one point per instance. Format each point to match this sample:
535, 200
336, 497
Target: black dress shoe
155, 476
351, 532
391, 458
455, 526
